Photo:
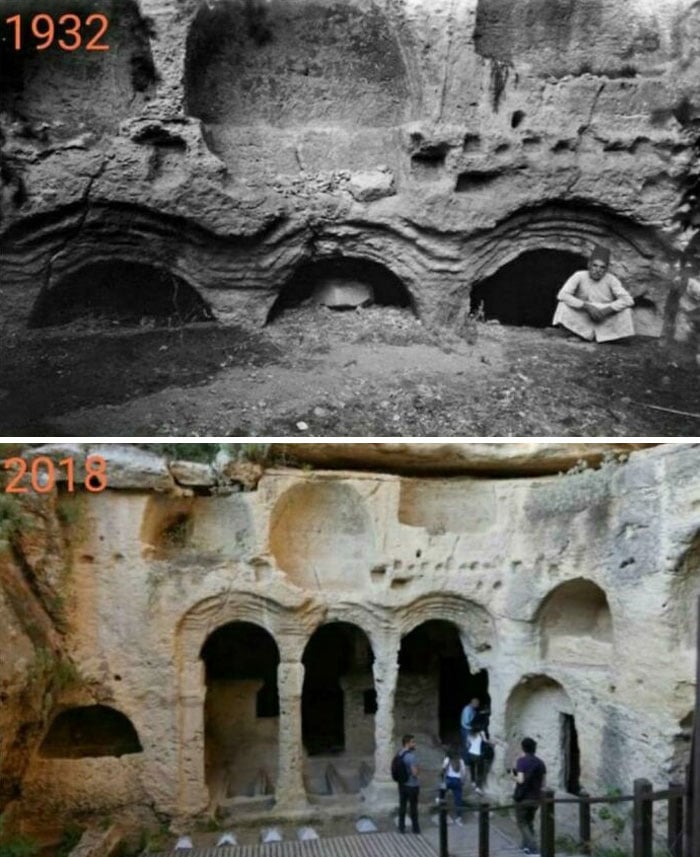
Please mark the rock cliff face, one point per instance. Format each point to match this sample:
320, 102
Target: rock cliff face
223, 146
320, 614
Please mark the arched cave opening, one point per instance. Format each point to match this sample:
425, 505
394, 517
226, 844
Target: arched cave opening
524, 291
337, 713
58, 94
90, 731
435, 683
241, 711
342, 283
120, 292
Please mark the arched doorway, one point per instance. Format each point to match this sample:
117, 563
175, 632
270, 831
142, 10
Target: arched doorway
337, 708
241, 711
540, 708
342, 283
434, 684
524, 291
120, 292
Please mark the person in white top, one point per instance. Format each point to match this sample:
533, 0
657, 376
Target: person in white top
593, 304
475, 758
455, 773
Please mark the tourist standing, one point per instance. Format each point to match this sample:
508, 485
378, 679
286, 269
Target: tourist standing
455, 772
465, 722
529, 772
475, 757
408, 790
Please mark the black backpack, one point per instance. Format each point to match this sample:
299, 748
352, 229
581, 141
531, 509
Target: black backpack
399, 771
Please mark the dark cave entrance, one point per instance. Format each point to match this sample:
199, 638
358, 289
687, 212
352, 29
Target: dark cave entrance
90, 731
338, 701
524, 291
435, 682
571, 756
342, 283
241, 711
123, 293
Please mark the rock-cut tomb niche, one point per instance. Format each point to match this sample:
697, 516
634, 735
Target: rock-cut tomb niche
322, 536
241, 712
90, 731
60, 94
292, 64
342, 283
524, 291
118, 291
434, 684
540, 708
575, 624
337, 708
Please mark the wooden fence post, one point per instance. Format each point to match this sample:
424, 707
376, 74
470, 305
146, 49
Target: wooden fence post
642, 815
675, 820
584, 823
547, 824
442, 821
484, 819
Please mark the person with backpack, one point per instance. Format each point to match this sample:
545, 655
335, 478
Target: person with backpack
530, 773
404, 772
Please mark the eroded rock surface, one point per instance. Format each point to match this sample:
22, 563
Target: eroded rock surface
256, 650
222, 145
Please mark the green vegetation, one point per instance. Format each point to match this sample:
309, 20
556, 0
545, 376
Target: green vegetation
69, 839
11, 519
158, 840
16, 846
58, 672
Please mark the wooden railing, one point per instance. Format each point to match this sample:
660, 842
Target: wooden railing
642, 801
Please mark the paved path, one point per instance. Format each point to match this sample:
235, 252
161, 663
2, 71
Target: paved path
361, 845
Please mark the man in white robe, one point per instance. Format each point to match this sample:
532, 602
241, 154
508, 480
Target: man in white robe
593, 304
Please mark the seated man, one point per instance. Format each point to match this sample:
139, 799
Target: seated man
593, 304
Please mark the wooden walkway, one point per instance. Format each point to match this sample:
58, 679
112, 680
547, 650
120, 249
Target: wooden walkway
361, 845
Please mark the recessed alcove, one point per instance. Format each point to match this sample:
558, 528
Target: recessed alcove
342, 283
524, 291
120, 292
59, 94
90, 731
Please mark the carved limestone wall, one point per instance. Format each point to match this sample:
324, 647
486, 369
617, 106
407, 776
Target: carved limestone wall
224, 146
568, 600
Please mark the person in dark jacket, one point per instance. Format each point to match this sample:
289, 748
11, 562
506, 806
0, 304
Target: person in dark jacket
530, 773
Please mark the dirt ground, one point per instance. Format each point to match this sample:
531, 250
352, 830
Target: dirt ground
318, 372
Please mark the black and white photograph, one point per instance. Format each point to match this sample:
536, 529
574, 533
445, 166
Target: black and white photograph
349, 218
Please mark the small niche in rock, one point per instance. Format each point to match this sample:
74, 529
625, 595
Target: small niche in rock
90, 731
471, 143
176, 532
56, 94
475, 179
429, 161
120, 293
341, 283
524, 291
516, 118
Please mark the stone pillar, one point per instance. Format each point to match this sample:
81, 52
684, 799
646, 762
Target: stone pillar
290, 793
193, 796
382, 789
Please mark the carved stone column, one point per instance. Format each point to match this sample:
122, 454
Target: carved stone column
193, 795
290, 793
382, 789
